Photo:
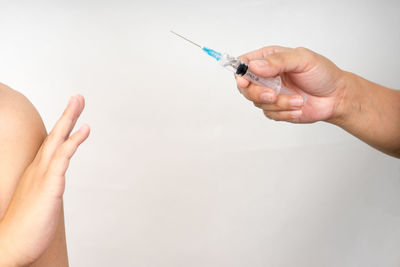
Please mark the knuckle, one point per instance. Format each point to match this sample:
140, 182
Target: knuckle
269, 107
249, 98
61, 152
65, 150
248, 95
272, 59
275, 60
265, 51
294, 120
302, 50
258, 105
269, 50
269, 115
305, 52
49, 138
281, 104
252, 97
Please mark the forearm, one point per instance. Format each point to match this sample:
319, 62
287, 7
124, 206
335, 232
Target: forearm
371, 113
6, 258
56, 254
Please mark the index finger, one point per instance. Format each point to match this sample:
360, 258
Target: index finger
263, 53
258, 54
63, 127
66, 123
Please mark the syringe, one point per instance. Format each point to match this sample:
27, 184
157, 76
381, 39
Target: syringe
233, 64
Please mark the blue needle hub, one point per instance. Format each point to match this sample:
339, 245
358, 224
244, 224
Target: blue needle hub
212, 53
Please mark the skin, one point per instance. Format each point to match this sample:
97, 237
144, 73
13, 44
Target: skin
31, 189
366, 110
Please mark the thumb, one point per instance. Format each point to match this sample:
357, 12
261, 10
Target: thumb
297, 60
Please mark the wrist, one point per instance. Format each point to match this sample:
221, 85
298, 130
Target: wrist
345, 99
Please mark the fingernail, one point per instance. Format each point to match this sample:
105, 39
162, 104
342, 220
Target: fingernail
296, 113
70, 100
267, 97
296, 101
259, 63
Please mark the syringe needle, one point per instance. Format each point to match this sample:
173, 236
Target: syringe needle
209, 51
186, 39
233, 64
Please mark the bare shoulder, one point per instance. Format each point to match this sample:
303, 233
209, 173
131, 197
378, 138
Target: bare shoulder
21, 134
19, 120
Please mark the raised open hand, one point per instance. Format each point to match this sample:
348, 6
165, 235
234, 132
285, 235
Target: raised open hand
29, 224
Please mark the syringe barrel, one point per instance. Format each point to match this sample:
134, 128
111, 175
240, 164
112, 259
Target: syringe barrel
274, 83
233, 64
241, 69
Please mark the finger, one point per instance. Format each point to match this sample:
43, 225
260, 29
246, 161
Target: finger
290, 116
263, 53
257, 54
297, 60
81, 100
283, 103
259, 94
64, 125
241, 82
59, 164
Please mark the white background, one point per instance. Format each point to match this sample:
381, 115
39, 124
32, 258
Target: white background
180, 170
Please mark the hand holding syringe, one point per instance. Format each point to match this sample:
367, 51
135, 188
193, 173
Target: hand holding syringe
331, 93
236, 66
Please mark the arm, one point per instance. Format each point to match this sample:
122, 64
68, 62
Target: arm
21, 134
30, 227
368, 111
